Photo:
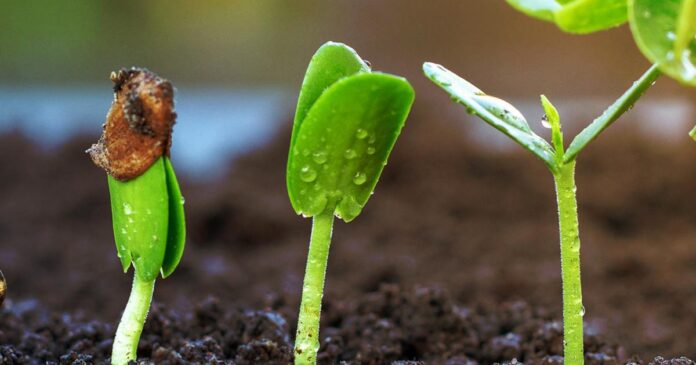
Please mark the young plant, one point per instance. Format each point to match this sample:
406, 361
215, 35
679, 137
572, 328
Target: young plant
346, 123
146, 203
665, 31
560, 162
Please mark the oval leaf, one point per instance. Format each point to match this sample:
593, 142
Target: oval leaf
344, 142
140, 215
665, 32
496, 112
176, 236
332, 62
576, 16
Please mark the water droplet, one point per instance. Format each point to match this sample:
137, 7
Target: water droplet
361, 133
688, 65
348, 208
671, 36
350, 154
371, 150
305, 153
123, 231
183, 200
372, 139
320, 157
127, 210
308, 174
359, 178
545, 122
582, 311
154, 237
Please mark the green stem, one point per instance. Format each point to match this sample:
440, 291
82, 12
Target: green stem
573, 310
128, 333
307, 338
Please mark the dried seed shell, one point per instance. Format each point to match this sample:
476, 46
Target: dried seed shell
138, 127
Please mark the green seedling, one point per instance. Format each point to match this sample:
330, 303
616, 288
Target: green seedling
346, 123
665, 32
146, 203
560, 161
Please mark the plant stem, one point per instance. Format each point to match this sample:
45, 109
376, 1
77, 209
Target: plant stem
573, 310
128, 333
307, 338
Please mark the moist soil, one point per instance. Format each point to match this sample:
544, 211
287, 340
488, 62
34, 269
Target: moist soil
453, 261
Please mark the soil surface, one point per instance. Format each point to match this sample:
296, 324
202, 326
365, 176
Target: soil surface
453, 261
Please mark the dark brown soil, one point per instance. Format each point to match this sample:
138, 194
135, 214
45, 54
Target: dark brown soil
452, 230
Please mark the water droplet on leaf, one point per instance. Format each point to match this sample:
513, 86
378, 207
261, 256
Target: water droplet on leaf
359, 178
361, 133
308, 174
320, 157
545, 122
350, 154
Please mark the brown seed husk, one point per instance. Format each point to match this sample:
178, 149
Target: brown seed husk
138, 127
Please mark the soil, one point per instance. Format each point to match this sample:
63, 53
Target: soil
453, 261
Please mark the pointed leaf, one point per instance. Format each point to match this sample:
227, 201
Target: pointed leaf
496, 112
140, 212
620, 106
665, 32
344, 142
176, 236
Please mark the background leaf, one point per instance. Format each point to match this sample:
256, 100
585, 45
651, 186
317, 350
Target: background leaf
344, 141
176, 229
665, 32
496, 112
140, 215
576, 16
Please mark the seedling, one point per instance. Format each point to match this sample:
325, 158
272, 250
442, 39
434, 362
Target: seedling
346, 123
665, 31
146, 203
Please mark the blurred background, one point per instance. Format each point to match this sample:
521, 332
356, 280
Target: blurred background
459, 206
238, 64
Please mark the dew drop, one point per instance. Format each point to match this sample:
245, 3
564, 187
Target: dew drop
361, 133
320, 157
307, 174
582, 311
371, 140
127, 210
305, 153
183, 200
359, 178
545, 122
371, 150
350, 154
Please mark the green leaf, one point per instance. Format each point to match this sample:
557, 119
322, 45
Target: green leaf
343, 143
665, 32
496, 112
693, 133
176, 236
332, 62
540, 9
554, 121
140, 215
620, 106
576, 16
587, 16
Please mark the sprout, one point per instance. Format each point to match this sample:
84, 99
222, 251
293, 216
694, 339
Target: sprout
346, 123
146, 204
561, 162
